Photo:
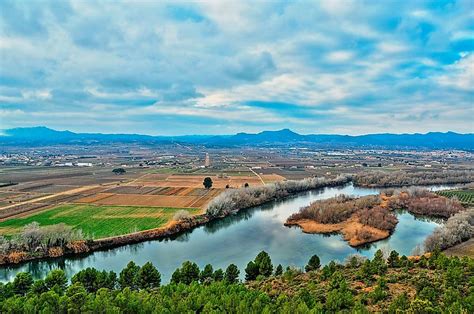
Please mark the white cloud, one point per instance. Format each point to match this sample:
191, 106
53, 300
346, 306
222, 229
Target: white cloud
340, 56
348, 66
392, 47
42, 94
459, 75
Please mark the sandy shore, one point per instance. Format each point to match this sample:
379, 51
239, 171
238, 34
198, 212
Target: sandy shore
352, 230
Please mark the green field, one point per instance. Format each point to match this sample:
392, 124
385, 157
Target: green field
466, 197
97, 221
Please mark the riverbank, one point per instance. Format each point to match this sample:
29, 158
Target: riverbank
173, 228
86, 246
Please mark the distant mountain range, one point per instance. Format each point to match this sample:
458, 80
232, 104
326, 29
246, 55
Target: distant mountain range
431, 140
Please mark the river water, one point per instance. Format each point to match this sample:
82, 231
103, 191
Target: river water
238, 239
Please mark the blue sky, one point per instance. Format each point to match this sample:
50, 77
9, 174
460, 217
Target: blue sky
220, 67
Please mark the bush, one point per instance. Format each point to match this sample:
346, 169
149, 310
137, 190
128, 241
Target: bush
181, 215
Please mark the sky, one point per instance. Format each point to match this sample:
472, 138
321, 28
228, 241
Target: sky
222, 67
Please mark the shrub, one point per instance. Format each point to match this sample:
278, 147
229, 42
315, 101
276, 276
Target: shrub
181, 215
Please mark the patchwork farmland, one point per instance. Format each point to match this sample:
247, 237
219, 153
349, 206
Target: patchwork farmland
97, 221
102, 204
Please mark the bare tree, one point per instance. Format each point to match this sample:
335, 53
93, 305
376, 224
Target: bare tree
457, 229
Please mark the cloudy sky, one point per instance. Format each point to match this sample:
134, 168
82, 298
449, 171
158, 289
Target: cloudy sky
220, 67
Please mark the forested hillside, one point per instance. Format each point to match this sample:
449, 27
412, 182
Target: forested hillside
393, 284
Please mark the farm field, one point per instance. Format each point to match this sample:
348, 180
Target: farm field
97, 221
103, 204
137, 195
195, 180
466, 197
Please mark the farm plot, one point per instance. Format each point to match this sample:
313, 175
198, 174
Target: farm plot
270, 178
147, 200
48, 188
195, 180
466, 197
5, 197
97, 221
131, 189
20, 209
218, 182
156, 197
202, 201
94, 198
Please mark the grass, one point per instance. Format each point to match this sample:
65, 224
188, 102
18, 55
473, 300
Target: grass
466, 197
97, 221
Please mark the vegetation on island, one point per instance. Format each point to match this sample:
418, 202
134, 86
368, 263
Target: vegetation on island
370, 218
389, 284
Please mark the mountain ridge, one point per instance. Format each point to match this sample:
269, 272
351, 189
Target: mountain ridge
443, 140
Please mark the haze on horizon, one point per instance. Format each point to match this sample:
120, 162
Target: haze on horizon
173, 68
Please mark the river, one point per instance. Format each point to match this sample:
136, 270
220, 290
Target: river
238, 239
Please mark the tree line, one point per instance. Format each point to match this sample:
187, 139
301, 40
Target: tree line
232, 200
33, 238
439, 284
404, 178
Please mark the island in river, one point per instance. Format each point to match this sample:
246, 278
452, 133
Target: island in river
370, 218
